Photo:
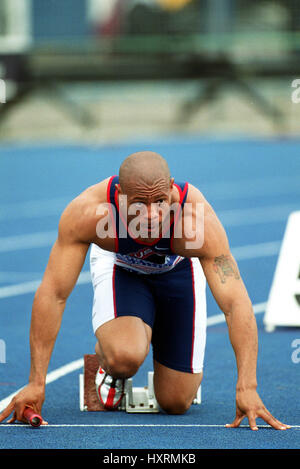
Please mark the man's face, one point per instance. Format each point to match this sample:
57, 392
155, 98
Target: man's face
146, 207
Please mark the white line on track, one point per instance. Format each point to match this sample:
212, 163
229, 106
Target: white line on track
257, 215
47, 238
228, 190
220, 318
33, 208
12, 277
27, 241
251, 188
78, 364
31, 287
252, 251
125, 425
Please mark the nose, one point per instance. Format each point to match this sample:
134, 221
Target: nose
150, 214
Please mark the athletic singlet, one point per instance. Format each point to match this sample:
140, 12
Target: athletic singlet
132, 254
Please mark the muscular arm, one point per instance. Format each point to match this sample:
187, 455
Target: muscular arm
224, 279
222, 274
65, 263
229, 291
77, 229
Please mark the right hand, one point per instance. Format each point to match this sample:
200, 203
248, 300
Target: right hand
31, 396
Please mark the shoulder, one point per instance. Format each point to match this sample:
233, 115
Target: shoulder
203, 232
78, 220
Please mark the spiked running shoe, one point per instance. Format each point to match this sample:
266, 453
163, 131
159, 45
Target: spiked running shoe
110, 391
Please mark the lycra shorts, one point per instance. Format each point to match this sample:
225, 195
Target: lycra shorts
173, 304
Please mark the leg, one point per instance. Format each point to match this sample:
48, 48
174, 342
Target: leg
123, 315
175, 390
123, 344
179, 336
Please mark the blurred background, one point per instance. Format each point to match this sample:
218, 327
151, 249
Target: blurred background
212, 85
114, 70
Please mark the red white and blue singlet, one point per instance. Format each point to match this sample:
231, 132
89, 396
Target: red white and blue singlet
151, 282
155, 257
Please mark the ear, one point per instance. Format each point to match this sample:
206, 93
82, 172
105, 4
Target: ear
171, 183
118, 188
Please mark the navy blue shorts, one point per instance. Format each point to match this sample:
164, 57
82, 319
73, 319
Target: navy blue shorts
173, 304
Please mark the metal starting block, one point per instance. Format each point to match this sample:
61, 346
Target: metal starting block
139, 399
135, 400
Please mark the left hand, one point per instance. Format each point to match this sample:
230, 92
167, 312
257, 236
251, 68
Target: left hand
249, 404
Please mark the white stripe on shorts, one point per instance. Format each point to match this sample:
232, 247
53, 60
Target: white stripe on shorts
102, 271
200, 316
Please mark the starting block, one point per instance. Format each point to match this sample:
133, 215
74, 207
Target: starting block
135, 400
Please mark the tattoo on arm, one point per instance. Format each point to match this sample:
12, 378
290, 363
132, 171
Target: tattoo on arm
224, 266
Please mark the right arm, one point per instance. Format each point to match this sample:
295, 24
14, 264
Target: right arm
64, 266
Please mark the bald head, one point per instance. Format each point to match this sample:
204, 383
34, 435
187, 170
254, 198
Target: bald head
143, 167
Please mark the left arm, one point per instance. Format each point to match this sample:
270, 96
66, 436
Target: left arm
229, 291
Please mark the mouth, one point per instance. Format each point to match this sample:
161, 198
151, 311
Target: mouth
150, 230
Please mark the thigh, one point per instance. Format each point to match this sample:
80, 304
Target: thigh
123, 314
118, 293
179, 333
126, 336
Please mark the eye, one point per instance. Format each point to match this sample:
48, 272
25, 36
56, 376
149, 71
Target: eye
138, 205
161, 202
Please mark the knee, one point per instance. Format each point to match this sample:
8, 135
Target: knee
174, 406
123, 363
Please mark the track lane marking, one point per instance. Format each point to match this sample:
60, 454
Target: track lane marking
120, 425
78, 364
250, 251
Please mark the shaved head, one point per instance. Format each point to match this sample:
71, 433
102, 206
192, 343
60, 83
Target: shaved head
145, 191
143, 167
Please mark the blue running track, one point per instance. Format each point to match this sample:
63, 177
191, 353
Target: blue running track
253, 186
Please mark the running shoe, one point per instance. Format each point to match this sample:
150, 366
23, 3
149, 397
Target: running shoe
110, 391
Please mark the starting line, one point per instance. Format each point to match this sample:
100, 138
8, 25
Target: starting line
125, 425
77, 364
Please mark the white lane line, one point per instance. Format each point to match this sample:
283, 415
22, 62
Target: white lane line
78, 364
240, 253
51, 377
220, 318
254, 251
251, 188
19, 289
33, 208
138, 425
47, 238
229, 218
257, 215
245, 188
27, 241
31, 287
64, 370
12, 277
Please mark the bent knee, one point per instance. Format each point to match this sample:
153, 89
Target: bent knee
123, 363
175, 406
